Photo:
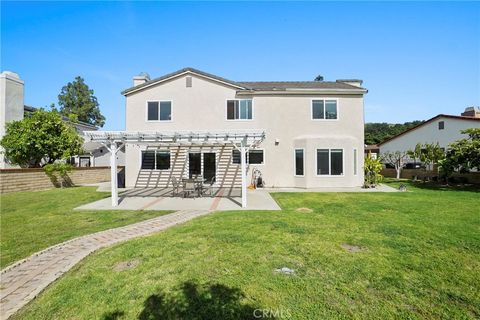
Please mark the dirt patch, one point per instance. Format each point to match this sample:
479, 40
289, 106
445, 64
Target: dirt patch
351, 248
125, 265
304, 210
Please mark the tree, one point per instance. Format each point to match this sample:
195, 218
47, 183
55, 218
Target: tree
378, 132
318, 78
463, 155
431, 154
77, 98
396, 159
41, 137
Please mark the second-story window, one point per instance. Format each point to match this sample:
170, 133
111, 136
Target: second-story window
239, 109
324, 109
159, 110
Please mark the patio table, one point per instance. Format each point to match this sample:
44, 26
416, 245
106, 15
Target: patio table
198, 183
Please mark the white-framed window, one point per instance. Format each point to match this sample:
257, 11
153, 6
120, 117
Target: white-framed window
254, 156
355, 162
299, 162
155, 160
240, 109
159, 110
329, 162
324, 109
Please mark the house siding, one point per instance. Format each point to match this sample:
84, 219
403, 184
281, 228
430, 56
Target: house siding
286, 119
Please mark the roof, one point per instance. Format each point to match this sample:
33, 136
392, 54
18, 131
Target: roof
179, 72
252, 86
429, 121
64, 118
28, 108
371, 147
285, 85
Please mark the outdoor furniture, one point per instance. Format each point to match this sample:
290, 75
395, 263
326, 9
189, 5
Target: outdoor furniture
208, 187
198, 184
189, 187
176, 186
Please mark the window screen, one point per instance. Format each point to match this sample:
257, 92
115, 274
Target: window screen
330, 109
165, 110
239, 109
163, 160
148, 160
322, 162
324, 109
318, 109
336, 159
255, 157
153, 110
299, 162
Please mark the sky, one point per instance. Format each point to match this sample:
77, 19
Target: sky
417, 59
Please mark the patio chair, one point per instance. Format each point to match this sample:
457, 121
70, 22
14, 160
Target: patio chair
189, 188
208, 187
176, 186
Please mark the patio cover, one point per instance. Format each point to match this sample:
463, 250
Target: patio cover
242, 140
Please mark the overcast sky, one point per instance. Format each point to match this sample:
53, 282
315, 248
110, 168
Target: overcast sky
417, 59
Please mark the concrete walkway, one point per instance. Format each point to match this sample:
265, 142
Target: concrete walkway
23, 281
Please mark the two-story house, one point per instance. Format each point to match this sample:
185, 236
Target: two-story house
314, 130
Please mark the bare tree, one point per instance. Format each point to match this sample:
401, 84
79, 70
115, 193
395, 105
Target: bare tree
396, 159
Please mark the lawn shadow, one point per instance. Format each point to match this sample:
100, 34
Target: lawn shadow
439, 186
114, 315
193, 301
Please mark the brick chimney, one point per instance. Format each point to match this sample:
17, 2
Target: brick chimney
471, 112
141, 79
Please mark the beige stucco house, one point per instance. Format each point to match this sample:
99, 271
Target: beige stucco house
314, 130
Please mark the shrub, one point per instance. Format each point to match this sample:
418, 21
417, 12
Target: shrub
59, 171
372, 169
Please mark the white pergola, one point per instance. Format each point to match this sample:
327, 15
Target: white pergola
242, 140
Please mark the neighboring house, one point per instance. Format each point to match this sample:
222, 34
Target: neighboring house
314, 130
12, 108
442, 129
373, 150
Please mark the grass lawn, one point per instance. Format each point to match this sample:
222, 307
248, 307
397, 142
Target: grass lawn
366, 256
32, 221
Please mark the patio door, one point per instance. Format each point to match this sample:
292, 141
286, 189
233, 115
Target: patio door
194, 164
202, 164
209, 166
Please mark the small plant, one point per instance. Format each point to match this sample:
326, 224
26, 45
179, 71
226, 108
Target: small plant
372, 169
59, 171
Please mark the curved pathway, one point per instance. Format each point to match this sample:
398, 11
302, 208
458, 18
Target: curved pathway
24, 280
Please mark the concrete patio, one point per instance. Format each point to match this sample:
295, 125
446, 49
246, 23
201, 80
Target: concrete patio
162, 199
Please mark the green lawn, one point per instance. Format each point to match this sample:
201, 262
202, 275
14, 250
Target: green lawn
32, 221
419, 257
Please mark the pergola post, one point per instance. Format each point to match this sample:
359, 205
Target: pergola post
243, 160
113, 173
